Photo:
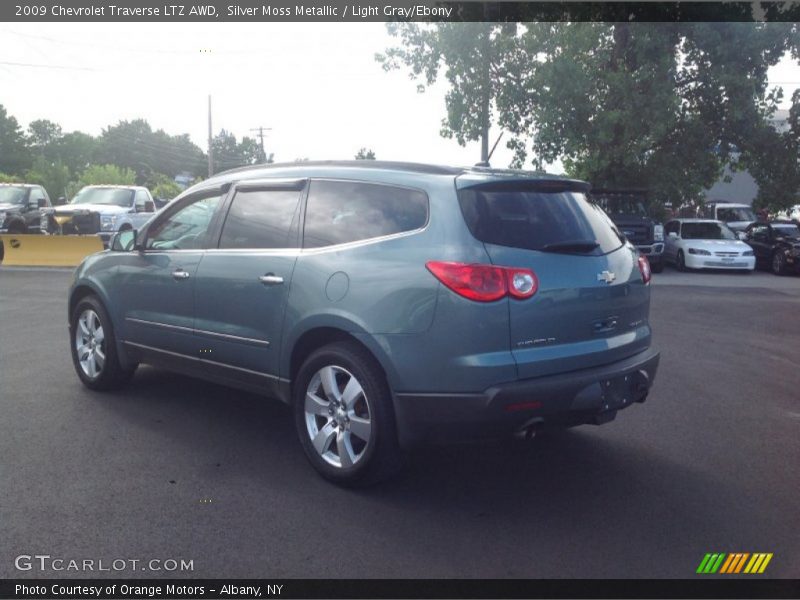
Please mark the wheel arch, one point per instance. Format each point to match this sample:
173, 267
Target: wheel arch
303, 342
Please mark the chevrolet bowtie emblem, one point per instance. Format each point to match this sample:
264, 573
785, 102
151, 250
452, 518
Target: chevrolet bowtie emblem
606, 276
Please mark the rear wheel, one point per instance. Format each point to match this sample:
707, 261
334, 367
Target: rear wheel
93, 347
778, 263
344, 416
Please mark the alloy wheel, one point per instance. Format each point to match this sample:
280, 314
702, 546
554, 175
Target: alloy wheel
338, 417
90, 344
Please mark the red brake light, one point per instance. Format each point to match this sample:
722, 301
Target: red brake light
644, 268
485, 283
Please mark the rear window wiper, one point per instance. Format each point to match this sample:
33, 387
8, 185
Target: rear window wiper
582, 246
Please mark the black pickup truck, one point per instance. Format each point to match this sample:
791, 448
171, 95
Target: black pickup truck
24, 209
628, 209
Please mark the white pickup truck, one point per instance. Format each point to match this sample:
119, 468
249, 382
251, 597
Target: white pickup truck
105, 209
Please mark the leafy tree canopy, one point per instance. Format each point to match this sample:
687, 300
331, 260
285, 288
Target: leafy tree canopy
365, 154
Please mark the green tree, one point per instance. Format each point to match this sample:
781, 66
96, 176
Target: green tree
14, 152
76, 150
163, 187
365, 154
107, 175
54, 176
6, 178
43, 134
229, 154
472, 57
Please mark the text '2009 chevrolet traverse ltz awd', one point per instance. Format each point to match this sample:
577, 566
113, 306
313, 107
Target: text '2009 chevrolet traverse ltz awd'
389, 303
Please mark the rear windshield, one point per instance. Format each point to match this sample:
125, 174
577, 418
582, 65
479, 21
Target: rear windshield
535, 220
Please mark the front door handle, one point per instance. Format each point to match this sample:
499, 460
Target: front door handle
271, 279
179, 274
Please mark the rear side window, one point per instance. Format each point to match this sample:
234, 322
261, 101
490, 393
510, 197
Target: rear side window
339, 212
261, 219
533, 220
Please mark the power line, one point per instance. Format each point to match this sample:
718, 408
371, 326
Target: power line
19, 64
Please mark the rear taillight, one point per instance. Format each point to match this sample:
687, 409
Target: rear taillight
485, 283
644, 268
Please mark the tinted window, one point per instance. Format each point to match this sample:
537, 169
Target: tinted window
786, 230
339, 212
110, 196
261, 219
533, 220
186, 228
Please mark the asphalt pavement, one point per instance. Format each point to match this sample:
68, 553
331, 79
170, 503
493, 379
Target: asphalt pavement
176, 469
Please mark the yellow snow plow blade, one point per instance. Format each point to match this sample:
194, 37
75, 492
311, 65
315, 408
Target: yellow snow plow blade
47, 250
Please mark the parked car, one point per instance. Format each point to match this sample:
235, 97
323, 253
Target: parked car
23, 209
104, 209
629, 210
391, 304
706, 244
776, 245
736, 216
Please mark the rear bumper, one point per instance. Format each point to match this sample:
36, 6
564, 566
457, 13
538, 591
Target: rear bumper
586, 396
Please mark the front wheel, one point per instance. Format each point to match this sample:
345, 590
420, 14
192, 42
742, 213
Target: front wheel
344, 417
778, 263
681, 261
93, 347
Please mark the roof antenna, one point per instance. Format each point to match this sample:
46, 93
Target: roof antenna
485, 163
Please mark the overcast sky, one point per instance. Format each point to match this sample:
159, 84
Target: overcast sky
316, 85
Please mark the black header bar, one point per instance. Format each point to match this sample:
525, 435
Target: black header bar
398, 10
185, 589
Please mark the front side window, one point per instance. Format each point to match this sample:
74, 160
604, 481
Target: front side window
185, 229
340, 212
786, 230
261, 219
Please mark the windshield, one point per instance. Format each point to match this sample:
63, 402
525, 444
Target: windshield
621, 205
786, 230
735, 214
707, 231
109, 196
12, 195
537, 220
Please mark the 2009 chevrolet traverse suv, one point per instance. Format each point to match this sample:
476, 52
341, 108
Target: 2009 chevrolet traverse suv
388, 303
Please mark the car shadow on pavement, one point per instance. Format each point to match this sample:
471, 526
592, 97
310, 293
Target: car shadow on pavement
587, 482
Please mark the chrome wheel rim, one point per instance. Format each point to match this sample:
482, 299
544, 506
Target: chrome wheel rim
90, 344
338, 417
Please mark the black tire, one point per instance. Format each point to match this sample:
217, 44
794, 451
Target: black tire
112, 375
380, 456
17, 228
657, 267
778, 263
680, 262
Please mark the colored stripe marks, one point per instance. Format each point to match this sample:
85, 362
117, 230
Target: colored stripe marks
734, 563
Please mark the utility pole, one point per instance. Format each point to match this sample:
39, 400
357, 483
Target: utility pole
210, 137
261, 131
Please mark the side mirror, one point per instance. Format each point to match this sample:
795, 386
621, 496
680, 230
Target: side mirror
41, 203
61, 200
673, 235
123, 241
149, 206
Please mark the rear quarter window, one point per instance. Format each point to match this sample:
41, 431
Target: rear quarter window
531, 219
339, 212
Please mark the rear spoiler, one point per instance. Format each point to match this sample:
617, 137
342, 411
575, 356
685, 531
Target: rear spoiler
521, 184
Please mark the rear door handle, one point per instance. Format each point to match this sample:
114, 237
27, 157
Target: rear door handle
179, 274
271, 279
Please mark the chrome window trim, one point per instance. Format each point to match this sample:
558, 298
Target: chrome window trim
157, 324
